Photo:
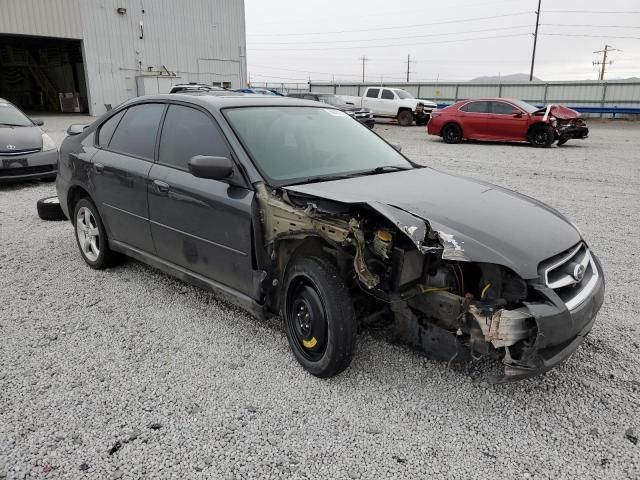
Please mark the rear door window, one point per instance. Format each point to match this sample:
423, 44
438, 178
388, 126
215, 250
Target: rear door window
476, 107
136, 134
502, 108
387, 95
106, 130
188, 132
373, 93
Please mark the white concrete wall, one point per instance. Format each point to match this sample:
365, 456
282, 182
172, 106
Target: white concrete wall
200, 40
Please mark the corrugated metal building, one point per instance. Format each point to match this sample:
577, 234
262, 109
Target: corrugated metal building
110, 50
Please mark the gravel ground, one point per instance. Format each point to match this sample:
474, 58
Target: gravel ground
128, 373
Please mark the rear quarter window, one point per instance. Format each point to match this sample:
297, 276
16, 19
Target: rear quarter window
106, 130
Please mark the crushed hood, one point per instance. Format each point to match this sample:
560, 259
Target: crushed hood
561, 112
475, 221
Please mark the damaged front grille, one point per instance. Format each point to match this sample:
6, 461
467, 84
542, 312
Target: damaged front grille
572, 275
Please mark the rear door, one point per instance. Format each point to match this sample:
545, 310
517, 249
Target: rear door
388, 103
475, 120
200, 224
120, 170
371, 101
505, 124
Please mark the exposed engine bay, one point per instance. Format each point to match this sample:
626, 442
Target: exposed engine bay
415, 280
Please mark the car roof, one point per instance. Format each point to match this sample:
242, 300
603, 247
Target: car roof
228, 99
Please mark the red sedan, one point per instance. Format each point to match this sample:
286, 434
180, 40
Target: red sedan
506, 120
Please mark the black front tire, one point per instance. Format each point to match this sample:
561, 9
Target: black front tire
319, 316
541, 136
405, 118
49, 209
452, 133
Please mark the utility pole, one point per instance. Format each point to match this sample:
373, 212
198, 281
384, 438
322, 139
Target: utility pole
535, 41
603, 63
364, 60
409, 62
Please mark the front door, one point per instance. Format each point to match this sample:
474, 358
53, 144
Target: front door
120, 170
200, 224
506, 124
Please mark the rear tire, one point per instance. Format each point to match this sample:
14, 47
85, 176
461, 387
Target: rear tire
49, 209
405, 118
452, 133
91, 236
541, 136
319, 316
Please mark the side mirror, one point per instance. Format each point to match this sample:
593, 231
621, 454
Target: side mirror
76, 129
215, 168
516, 113
37, 121
397, 147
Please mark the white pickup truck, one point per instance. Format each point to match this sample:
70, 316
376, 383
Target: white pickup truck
394, 103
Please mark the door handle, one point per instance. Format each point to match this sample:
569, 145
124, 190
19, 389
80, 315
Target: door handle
161, 186
99, 167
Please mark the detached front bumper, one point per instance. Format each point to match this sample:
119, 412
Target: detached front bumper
32, 166
560, 331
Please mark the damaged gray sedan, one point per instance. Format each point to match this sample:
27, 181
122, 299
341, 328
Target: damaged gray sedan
294, 208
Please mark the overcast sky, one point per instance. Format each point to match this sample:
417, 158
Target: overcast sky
293, 40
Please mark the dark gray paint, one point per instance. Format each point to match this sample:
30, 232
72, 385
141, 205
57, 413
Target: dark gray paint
491, 224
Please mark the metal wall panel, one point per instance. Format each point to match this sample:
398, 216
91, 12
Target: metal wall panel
198, 40
48, 18
579, 93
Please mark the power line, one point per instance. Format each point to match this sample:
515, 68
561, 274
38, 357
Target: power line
588, 36
587, 26
393, 38
405, 44
391, 28
632, 12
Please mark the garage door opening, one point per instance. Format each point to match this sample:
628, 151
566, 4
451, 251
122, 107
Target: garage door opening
43, 74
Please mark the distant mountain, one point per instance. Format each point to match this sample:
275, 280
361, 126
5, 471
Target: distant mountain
514, 77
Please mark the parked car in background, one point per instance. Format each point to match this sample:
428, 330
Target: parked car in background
26, 151
258, 91
289, 206
507, 120
395, 103
363, 115
195, 87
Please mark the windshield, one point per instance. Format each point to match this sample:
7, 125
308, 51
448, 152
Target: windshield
527, 107
10, 115
298, 144
331, 100
403, 94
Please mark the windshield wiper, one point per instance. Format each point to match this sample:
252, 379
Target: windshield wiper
12, 125
384, 169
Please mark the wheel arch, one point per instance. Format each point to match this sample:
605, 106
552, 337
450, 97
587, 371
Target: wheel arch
74, 195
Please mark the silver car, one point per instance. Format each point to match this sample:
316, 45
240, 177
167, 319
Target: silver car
26, 151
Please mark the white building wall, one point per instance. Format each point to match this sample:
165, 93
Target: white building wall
200, 40
47, 18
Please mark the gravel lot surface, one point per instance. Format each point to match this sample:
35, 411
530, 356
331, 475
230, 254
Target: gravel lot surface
128, 373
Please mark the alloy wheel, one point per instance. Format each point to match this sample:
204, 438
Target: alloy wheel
88, 234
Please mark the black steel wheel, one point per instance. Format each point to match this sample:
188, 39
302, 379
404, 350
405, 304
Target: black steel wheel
541, 136
319, 316
452, 133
